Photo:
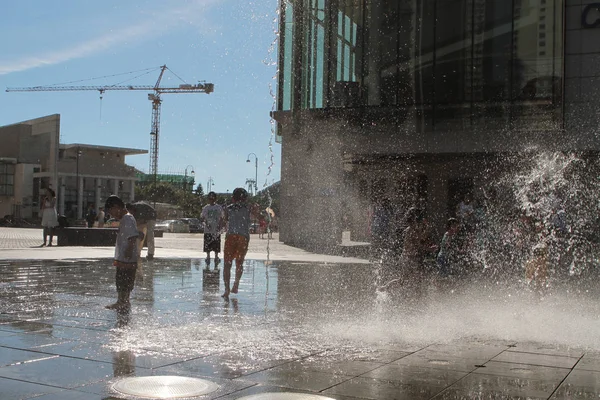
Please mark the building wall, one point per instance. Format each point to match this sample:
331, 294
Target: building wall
92, 161
33, 146
10, 136
582, 75
352, 148
40, 145
311, 201
24, 190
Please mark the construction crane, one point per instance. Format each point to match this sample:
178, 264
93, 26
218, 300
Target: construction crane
153, 97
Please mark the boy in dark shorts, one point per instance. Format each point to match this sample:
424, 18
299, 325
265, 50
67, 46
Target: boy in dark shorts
212, 216
126, 254
237, 217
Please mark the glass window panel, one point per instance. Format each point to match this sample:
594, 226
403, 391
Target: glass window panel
313, 75
484, 59
7, 179
345, 87
424, 51
287, 53
537, 63
452, 46
496, 50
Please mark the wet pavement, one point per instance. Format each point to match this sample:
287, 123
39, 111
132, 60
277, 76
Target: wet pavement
297, 326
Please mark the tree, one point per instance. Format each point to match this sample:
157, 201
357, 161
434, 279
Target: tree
162, 192
200, 190
190, 203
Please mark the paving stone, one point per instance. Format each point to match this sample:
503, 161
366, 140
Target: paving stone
302, 322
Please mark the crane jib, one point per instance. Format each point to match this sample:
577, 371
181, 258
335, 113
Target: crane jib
200, 87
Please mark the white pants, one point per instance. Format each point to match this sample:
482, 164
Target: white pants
150, 238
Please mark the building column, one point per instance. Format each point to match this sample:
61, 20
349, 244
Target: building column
372, 81
315, 168
115, 190
61, 195
132, 191
80, 198
98, 187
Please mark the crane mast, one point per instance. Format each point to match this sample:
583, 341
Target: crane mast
154, 132
154, 97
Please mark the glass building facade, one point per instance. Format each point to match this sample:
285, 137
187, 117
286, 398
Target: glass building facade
441, 62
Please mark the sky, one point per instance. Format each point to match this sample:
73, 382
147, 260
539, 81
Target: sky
229, 43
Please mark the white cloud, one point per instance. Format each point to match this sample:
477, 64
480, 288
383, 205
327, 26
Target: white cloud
162, 21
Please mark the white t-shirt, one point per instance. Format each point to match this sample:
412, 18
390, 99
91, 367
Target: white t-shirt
238, 219
127, 229
212, 215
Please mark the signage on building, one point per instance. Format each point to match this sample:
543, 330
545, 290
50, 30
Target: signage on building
590, 17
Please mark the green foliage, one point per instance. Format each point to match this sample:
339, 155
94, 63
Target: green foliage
191, 202
266, 196
199, 190
163, 192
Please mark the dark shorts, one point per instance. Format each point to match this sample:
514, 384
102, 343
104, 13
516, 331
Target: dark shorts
212, 242
125, 278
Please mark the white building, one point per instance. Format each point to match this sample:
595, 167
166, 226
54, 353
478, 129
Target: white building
32, 159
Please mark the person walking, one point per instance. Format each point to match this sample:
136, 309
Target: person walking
237, 218
126, 254
91, 215
381, 223
145, 216
262, 225
49, 215
212, 217
449, 250
100, 218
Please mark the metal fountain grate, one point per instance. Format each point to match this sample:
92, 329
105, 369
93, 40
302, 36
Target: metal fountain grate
284, 396
164, 387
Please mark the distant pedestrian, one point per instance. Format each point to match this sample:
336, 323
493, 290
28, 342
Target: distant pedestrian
91, 215
465, 212
449, 249
237, 217
126, 255
49, 215
212, 216
145, 216
416, 243
100, 217
262, 225
536, 268
381, 224
409, 271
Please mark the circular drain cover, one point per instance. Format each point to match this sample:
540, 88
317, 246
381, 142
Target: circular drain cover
284, 396
164, 387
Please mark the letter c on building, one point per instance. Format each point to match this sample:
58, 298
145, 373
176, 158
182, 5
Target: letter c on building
585, 14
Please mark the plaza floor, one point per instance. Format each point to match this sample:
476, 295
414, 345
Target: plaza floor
301, 323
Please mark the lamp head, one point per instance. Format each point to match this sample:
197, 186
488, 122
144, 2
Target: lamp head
248, 160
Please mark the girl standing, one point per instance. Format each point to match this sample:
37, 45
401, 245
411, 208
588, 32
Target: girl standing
49, 215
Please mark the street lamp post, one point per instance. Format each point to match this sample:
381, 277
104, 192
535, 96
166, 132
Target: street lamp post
255, 171
209, 184
192, 173
77, 189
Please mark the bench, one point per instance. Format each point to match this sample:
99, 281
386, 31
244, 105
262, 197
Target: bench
77, 236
